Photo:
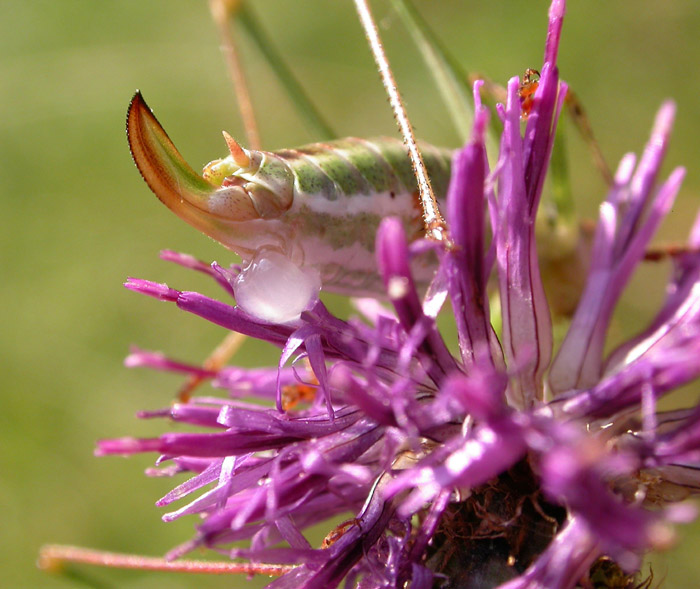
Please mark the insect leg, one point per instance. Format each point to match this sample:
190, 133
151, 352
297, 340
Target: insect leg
578, 116
435, 226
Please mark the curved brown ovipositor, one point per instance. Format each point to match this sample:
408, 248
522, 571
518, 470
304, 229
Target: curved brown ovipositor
209, 208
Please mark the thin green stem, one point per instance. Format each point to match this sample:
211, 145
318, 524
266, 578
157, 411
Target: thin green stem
309, 113
451, 80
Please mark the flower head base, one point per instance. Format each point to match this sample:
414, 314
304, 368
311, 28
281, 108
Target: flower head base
504, 466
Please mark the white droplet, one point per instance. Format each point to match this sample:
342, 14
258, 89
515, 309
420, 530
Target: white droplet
275, 289
397, 287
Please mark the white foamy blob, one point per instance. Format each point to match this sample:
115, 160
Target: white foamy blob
275, 289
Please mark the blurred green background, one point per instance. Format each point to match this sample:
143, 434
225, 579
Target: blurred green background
77, 218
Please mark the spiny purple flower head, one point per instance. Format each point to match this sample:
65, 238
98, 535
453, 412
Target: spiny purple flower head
504, 466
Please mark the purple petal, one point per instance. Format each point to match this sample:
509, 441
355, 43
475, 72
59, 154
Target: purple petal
157, 361
187, 261
465, 261
393, 259
567, 559
526, 322
621, 239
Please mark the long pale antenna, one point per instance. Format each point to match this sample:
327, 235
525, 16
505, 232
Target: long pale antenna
435, 226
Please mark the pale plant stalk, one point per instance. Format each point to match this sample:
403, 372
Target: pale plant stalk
54, 557
220, 10
218, 358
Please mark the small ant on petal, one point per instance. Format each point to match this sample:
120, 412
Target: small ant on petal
528, 87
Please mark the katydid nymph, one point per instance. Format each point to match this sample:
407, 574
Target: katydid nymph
296, 215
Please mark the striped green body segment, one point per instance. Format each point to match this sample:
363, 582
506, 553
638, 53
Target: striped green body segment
321, 204
359, 167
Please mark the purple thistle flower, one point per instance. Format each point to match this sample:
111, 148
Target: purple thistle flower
506, 466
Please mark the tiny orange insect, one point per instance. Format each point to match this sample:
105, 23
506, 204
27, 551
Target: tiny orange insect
294, 394
528, 87
336, 533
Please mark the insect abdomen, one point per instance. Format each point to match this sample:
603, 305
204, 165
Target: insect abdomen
362, 167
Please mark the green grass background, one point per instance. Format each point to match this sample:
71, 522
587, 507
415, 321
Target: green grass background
77, 218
